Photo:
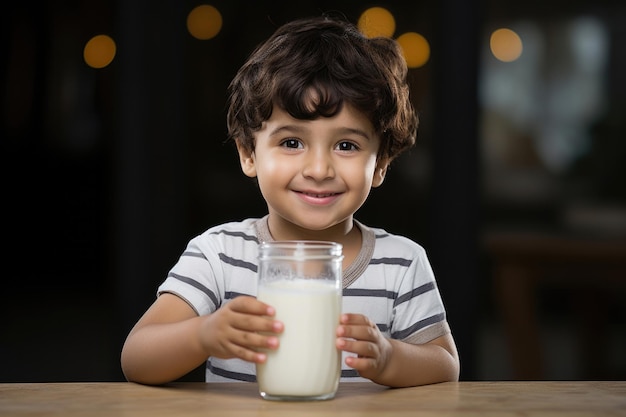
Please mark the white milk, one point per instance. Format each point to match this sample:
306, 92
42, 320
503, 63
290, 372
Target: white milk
307, 363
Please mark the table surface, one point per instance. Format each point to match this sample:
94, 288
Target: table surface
69, 399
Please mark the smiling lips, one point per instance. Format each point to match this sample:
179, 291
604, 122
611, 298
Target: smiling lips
318, 198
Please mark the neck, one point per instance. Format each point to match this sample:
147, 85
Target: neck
343, 232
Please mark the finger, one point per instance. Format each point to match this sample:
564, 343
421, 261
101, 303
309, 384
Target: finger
363, 365
359, 332
358, 347
248, 346
250, 305
248, 355
254, 341
239, 314
231, 334
356, 319
249, 323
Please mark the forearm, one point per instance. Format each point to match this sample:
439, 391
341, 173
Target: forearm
413, 365
160, 353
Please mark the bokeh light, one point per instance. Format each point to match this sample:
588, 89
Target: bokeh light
506, 45
416, 49
99, 51
204, 22
377, 21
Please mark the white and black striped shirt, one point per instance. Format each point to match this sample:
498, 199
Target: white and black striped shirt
391, 282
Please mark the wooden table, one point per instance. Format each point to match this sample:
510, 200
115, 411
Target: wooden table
181, 399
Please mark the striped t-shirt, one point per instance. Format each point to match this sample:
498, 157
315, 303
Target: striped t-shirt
391, 282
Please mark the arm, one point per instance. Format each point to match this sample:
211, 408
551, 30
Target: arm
392, 362
171, 340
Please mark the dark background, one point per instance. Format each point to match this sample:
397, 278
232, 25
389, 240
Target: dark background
108, 173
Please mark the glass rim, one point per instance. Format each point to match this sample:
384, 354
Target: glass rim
321, 244
295, 249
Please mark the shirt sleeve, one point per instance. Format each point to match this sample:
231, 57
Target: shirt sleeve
419, 313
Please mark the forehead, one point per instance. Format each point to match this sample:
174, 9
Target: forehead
348, 117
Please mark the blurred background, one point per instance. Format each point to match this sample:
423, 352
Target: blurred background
115, 155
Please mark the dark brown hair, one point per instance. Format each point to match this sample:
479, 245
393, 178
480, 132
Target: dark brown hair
333, 60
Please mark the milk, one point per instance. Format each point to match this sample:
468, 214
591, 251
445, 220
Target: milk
307, 363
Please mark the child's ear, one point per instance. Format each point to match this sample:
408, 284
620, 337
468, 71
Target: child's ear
380, 172
246, 159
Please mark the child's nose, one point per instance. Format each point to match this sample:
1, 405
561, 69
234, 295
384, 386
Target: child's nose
318, 165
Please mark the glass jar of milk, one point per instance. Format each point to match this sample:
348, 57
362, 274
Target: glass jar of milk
302, 281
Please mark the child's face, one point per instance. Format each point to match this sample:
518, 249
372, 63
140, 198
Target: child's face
315, 174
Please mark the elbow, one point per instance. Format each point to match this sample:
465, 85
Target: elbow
138, 377
135, 370
127, 369
131, 369
454, 368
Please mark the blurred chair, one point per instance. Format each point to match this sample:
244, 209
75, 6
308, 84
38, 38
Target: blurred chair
525, 262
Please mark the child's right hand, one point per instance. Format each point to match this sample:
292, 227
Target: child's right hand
239, 328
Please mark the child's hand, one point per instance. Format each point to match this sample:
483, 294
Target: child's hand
357, 334
234, 330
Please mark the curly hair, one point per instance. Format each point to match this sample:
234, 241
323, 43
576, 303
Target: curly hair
310, 67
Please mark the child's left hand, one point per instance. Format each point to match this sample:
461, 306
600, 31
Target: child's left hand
357, 334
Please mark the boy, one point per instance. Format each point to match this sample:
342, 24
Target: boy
318, 112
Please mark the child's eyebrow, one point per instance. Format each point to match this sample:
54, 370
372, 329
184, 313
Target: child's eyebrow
355, 131
287, 128
300, 129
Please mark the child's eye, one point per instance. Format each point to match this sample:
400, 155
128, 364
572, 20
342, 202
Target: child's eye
347, 146
291, 143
